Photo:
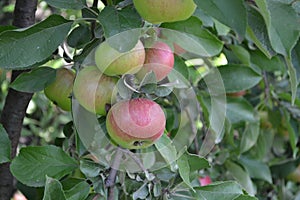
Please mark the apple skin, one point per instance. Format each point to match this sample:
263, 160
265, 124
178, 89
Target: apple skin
158, 11
135, 123
94, 90
112, 62
159, 59
60, 90
205, 180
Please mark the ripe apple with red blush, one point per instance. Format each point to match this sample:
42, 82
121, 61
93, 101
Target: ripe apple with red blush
159, 59
135, 123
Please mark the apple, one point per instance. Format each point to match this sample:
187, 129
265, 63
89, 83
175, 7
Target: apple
94, 90
158, 11
112, 62
60, 90
135, 123
159, 59
205, 180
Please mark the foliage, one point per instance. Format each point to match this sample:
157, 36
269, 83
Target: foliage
248, 144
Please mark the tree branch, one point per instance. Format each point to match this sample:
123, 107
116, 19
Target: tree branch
16, 102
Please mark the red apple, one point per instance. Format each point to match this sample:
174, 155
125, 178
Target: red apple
60, 90
94, 90
159, 59
205, 180
135, 123
158, 11
112, 62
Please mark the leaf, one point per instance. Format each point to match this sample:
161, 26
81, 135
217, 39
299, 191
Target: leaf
184, 170
5, 146
239, 110
24, 48
220, 190
141, 193
89, 168
67, 4
238, 77
257, 32
292, 133
79, 36
168, 151
190, 36
197, 162
35, 162
251, 166
282, 39
250, 136
268, 64
293, 79
123, 25
245, 197
231, 14
35, 80
78, 192
241, 176
53, 190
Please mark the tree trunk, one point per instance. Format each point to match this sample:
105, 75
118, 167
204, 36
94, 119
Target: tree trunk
16, 102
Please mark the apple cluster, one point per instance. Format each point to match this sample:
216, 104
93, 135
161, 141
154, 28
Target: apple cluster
135, 123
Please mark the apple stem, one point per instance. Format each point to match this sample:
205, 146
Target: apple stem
110, 181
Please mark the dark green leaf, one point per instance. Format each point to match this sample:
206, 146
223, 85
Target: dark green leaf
89, 168
197, 162
123, 25
5, 146
141, 193
24, 48
6, 28
232, 14
33, 164
35, 80
219, 190
251, 166
78, 192
241, 176
53, 190
79, 36
245, 197
67, 4
180, 66
282, 39
162, 91
190, 36
239, 109
250, 136
265, 63
87, 53
238, 77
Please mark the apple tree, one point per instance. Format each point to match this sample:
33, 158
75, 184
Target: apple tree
150, 99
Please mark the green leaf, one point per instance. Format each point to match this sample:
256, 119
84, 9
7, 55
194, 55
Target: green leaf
245, 197
257, 31
35, 80
238, 77
141, 193
251, 166
53, 190
67, 4
282, 39
196, 162
241, 176
292, 134
220, 190
79, 36
24, 48
232, 14
35, 162
250, 136
168, 151
5, 146
239, 110
89, 168
268, 64
78, 192
293, 78
190, 36
123, 25
184, 170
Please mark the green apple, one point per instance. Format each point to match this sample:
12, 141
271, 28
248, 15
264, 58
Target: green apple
135, 123
60, 90
159, 59
94, 90
112, 62
158, 11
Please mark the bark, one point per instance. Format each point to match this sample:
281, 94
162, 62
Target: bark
16, 102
